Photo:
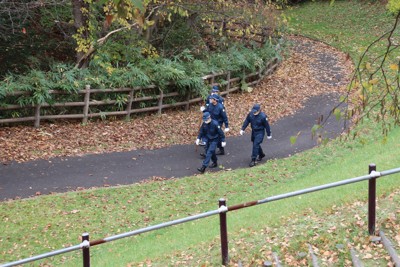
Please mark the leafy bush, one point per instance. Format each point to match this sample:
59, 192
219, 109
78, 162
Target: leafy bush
183, 70
178, 36
394, 6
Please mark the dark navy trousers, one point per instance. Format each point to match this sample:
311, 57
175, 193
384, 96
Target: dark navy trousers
257, 138
210, 152
219, 145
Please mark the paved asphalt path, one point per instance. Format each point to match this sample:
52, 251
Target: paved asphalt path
22, 180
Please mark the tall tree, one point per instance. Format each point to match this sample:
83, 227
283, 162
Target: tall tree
146, 17
36, 32
32, 33
81, 11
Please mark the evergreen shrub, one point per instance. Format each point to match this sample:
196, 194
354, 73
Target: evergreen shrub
108, 71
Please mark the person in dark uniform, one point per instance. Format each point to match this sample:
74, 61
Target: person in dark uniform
211, 131
259, 125
217, 112
214, 91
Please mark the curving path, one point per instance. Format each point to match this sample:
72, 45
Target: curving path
22, 180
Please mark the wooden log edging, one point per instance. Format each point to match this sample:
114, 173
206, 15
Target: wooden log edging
230, 87
355, 259
314, 258
389, 247
276, 259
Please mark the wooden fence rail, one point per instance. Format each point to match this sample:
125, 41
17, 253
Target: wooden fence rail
155, 102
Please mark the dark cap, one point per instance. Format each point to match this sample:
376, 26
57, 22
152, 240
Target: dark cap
255, 108
214, 97
206, 116
215, 89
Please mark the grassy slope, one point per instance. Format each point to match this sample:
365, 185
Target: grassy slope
348, 25
50, 222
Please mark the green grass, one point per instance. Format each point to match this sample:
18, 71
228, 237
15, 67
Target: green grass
348, 25
45, 223
33, 226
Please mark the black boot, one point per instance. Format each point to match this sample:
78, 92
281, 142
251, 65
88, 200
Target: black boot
213, 165
252, 163
202, 169
260, 157
221, 151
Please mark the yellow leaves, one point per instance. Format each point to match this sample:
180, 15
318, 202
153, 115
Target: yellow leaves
394, 67
84, 10
150, 52
106, 9
109, 69
178, 10
373, 81
366, 86
150, 22
82, 44
393, 6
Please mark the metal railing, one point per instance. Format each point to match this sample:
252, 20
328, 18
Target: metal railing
222, 211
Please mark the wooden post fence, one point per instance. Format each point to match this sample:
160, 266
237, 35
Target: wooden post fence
86, 104
37, 116
231, 85
129, 105
160, 102
228, 78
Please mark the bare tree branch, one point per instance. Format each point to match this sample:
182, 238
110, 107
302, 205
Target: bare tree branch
387, 98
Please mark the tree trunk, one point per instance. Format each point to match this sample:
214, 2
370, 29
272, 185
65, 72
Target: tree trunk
153, 28
81, 20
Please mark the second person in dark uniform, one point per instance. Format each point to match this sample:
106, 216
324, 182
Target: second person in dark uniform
210, 131
259, 125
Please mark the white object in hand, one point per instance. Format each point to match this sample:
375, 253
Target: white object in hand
241, 132
223, 144
226, 130
197, 142
202, 108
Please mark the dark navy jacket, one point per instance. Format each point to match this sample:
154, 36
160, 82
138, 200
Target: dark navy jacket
218, 113
258, 123
211, 131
